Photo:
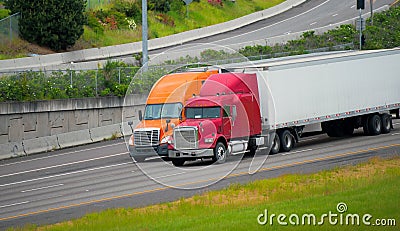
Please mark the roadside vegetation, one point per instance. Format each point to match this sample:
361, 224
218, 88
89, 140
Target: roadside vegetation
369, 188
111, 81
119, 21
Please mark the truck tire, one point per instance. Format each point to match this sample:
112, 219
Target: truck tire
287, 140
386, 123
219, 153
178, 162
374, 125
276, 145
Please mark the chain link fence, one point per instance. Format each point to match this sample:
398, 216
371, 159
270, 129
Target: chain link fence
9, 28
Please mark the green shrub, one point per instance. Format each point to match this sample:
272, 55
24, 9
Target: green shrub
4, 13
57, 25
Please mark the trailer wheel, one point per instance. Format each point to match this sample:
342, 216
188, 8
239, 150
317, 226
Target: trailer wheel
374, 125
178, 162
276, 145
219, 153
386, 123
287, 141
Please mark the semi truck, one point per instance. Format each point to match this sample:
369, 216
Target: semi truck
270, 105
162, 112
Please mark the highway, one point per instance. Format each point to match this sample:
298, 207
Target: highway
52, 187
317, 15
311, 15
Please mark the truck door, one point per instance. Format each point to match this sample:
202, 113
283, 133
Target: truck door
227, 121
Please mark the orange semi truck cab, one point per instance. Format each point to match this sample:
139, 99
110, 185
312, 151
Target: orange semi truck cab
163, 111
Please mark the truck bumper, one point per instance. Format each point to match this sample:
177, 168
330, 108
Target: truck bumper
161, 150
191, 153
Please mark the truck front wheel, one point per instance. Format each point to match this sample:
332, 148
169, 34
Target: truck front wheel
219, 153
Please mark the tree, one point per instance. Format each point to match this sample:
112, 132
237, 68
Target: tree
56, 24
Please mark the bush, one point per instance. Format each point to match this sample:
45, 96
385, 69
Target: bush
162, 6
4, 13
57, 25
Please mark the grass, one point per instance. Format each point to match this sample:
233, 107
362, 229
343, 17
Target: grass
201, 14
370, 188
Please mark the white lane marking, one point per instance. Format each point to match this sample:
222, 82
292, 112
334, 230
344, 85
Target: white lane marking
41, 188
322, 27
19, 203
313, 23
335, 15
153, 158
275, 23
396, 123
65, 174
309, 139
394, 134
353, 6
62, 154
62, 165
290, 153
175, 174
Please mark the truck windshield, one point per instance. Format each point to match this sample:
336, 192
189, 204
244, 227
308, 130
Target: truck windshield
203, 112
162, 111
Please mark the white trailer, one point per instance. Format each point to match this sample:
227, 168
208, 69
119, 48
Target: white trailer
340, 91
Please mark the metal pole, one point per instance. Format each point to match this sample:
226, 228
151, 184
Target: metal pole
360, 29
11, 28
119, 75
371, 2
97, 71
144, 34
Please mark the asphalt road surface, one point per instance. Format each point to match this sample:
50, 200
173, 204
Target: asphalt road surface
56, 186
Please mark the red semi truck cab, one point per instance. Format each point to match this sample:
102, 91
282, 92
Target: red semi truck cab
223, 119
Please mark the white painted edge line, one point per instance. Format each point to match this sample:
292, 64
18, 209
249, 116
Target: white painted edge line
175, 174
62, 154
66, 164
290, 153
395, 134
65, 174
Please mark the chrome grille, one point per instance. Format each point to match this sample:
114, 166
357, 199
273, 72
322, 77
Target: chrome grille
146, 137
185, 138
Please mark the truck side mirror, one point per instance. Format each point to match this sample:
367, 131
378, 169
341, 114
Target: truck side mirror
130, 123
140, 115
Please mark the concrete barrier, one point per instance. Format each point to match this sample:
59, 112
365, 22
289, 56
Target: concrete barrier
12, 149
105, 132
71, 139
41, 144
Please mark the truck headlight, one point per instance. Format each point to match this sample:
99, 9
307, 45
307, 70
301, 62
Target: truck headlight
167, 139
208, 140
